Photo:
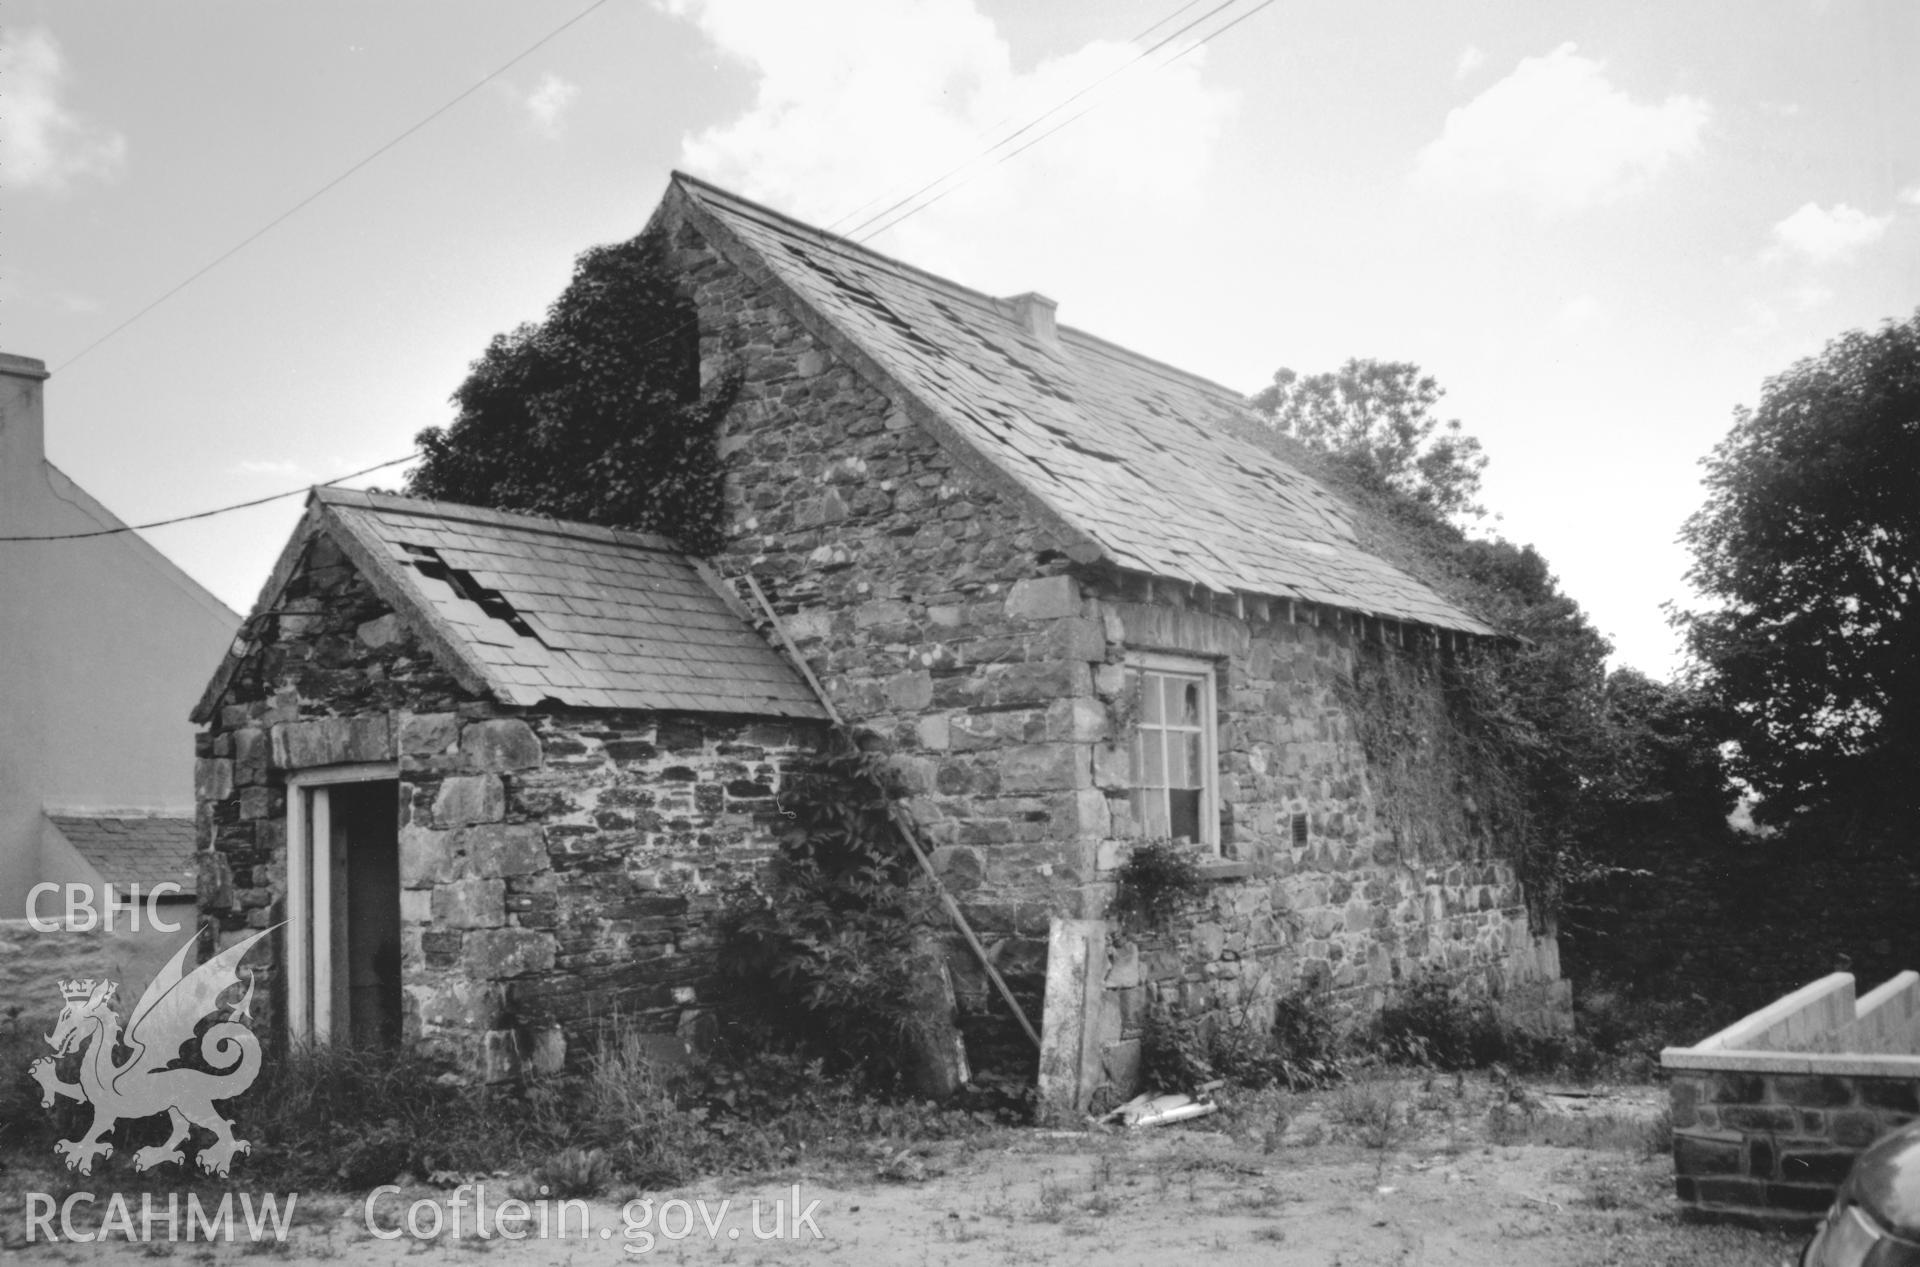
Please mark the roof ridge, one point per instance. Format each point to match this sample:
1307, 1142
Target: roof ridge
460, 512
1094, 342
1081, 429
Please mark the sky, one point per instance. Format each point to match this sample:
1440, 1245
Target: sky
1600, 227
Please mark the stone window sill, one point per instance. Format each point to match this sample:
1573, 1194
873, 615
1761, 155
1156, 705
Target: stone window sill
1226, 869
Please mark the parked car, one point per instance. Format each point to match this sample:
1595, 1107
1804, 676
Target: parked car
1875, 1219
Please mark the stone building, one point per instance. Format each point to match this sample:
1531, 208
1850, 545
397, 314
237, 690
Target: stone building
1077, 599
1087, 606
493, 773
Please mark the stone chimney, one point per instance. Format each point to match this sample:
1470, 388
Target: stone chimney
23, 438
1035, 311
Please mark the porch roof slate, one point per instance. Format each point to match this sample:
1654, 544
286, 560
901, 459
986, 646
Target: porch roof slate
594, 617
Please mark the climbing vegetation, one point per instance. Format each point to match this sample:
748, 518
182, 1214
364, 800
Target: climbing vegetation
1156, 880
597, 413
825, 949
1530, 745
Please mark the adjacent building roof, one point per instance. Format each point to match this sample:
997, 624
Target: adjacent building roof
129, 850
529, 609
1134, 461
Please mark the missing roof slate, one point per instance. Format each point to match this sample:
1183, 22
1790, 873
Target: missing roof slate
859, 294
490, 601
1175, 448
539, 611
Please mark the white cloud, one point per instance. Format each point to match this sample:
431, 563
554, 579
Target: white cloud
280, 467
1558, 134
869, 99
1471, 59
47, 145
1825, 234
1811, 295
548, 102
1911, 194
1579, 312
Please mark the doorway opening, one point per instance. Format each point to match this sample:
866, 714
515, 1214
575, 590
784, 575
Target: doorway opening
343, 906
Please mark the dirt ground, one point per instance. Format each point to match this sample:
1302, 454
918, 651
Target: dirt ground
1381, 1173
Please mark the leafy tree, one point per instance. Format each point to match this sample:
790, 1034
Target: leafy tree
597, 413
1573, 763
1808, 549
1661, 770
1377, 417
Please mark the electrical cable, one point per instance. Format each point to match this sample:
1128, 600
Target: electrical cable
218, 510
833, 226
914, 211
529, 50
1051, 110
313, 197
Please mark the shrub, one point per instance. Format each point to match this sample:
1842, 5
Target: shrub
1299, 1051
362, 1117
1173, 1051
1428, 1023
821, 952
1306, 1041
1157, 878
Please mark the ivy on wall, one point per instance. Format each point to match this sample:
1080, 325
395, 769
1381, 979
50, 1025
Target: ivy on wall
596, 414
1435, 777
822, 948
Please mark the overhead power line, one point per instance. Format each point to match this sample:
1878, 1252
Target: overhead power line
261, 232
995, 126
915, 210
218, 510
906, 214
1027, 126
327, 188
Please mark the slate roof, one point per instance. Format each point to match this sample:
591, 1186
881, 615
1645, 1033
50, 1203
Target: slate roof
537, 609
133, 850
1136, 458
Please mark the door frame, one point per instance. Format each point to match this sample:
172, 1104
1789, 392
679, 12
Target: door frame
310, 911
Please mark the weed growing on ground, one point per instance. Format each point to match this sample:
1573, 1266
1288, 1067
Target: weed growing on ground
575, 1172
339, 1117
1299, 1049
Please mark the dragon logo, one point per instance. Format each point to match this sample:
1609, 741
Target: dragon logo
152, 1080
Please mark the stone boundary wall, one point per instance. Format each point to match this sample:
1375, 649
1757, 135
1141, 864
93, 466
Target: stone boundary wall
33, 963
1768, 1117
1776, 1146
